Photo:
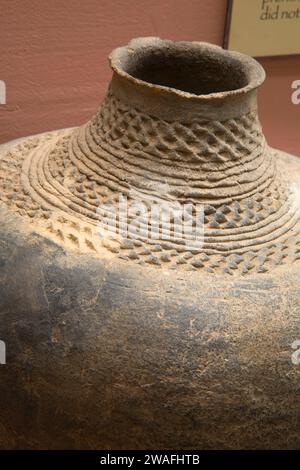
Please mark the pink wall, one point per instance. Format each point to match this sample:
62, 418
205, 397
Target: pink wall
53, 58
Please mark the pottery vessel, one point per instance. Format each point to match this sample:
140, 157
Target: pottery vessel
137, 342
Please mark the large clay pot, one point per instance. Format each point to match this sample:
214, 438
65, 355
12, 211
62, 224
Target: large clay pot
141, 343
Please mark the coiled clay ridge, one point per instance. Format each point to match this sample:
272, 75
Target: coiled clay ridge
217, 158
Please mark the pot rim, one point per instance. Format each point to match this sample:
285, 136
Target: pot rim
253, 71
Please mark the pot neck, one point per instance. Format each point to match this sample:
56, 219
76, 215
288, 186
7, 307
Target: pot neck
206, 146
211, 160
180, 107
185, 80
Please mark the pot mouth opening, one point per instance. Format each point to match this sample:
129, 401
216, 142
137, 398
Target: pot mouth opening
189, 69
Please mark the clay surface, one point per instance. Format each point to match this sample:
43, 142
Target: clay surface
120, 344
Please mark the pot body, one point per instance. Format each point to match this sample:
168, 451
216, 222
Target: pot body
106, 355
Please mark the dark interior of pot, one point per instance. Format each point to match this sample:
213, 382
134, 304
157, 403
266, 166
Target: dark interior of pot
197, 71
